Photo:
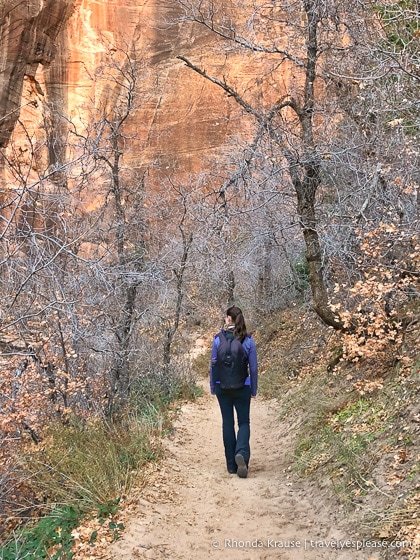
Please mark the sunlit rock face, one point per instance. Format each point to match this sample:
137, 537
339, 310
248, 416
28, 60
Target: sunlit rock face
55, 55
32, 34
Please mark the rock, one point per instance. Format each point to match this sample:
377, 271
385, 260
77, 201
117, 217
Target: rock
56, 53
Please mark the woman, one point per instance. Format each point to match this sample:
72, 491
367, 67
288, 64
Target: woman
237, 449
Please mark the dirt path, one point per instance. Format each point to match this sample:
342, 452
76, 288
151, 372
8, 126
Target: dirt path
195, 509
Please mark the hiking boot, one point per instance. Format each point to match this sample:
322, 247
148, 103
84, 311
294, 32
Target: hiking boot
242, 468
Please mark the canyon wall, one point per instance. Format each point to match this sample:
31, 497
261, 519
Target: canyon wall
32, 34
52, 52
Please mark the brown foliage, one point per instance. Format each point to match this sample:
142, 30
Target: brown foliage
378, 309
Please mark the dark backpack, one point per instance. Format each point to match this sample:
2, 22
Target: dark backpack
231, 367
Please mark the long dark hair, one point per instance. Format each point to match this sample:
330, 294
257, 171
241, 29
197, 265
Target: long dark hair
235, 313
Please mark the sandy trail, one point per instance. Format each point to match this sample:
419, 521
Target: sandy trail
195, 509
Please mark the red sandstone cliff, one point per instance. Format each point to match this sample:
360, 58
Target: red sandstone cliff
32, 36
50, 54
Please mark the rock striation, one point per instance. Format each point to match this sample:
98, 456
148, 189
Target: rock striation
31, 34
55, 54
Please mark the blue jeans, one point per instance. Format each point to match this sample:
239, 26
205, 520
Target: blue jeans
239, 400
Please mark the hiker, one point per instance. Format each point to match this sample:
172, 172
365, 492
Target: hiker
234, 380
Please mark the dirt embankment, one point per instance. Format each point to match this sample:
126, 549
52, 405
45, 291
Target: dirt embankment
194, 509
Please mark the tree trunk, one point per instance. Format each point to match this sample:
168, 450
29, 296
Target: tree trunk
120, 371
308, 223
265, 282
307, 187
230, 288
170, 333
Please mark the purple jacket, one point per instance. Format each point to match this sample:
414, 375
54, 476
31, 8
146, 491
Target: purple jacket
251, 353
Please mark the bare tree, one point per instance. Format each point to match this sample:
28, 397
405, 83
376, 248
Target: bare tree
61, 263
106, 142
40, 237
185, 230
317, 49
